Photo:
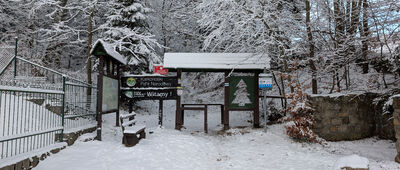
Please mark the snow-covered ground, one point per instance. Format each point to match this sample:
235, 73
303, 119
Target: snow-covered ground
191, 148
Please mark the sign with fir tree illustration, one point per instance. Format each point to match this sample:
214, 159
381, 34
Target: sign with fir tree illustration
241, 93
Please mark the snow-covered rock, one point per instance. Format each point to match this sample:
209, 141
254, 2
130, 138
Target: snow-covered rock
352, 162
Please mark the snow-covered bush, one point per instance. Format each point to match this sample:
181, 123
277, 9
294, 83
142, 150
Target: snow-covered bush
300, 120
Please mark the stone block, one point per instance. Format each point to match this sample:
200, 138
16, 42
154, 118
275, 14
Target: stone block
26, 164
326, 122
346, 120
54, 151
10, 167
342, 114
333, 129
336, 121
35, 161
18, 166
342, 128
43, 157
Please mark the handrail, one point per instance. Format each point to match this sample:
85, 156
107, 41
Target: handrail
37, 65
53, 71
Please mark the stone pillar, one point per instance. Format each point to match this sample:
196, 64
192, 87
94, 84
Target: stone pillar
396, 122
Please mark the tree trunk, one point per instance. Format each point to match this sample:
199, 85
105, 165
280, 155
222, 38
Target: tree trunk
90, 41
163, 28
89, 58
339, 37
365, 36
312, 49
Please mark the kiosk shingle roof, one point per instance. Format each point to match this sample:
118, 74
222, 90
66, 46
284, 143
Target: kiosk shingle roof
110, 50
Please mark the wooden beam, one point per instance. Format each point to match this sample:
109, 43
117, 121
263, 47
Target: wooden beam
100, 97
256, 113
178, 115
226, 102
119, 92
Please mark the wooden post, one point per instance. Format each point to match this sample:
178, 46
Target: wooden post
178, 115
160, 113
222, 114
226, 101
100, 97
205, 119
108, 70
256, 115
119, 92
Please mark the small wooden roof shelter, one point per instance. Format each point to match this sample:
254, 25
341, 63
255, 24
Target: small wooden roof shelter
110, 62
219, 62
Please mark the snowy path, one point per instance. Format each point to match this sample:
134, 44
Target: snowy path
238, 149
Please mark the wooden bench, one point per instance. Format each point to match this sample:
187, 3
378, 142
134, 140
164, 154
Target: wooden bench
203, 107
132, 132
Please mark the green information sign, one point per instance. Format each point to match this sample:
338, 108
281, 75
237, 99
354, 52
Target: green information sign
241, 92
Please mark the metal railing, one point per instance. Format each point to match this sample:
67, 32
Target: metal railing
38, 105
26, 122
80, 105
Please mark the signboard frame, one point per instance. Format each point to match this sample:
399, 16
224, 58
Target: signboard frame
234, 90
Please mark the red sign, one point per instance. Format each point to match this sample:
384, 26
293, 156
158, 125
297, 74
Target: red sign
160, 70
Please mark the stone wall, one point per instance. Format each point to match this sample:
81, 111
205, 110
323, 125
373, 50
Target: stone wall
344, 117
396, 122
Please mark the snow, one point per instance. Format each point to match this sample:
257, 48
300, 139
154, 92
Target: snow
124, 116
236, 149
125, 124
110, 49
134, 129
32, 90
216, 61
352, 161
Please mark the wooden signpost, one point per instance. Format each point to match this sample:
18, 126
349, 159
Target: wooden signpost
107, 82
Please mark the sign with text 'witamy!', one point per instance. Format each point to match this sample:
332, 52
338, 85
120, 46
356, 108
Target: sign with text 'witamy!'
149, 94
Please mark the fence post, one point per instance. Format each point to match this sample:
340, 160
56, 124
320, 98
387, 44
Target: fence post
15, 56
63, 109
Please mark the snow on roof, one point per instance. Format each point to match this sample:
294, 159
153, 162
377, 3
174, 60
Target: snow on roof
110, 50
216, 61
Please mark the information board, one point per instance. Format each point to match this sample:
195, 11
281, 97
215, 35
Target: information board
110, 94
